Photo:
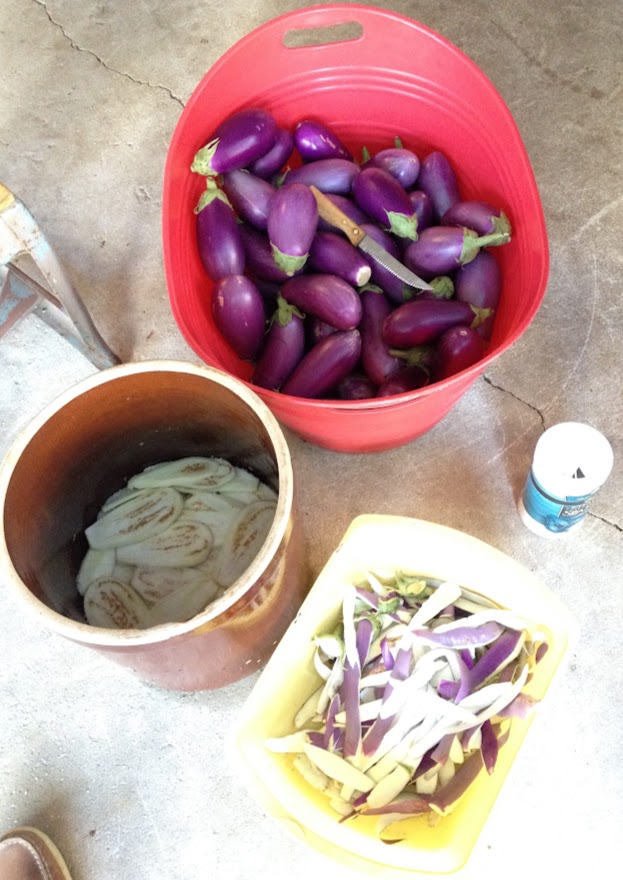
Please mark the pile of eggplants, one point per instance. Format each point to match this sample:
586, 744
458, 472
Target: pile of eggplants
316, 316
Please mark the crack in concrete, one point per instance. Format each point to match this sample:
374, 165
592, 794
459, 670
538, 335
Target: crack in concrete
93, 54
602, 519
606, 521
512, 394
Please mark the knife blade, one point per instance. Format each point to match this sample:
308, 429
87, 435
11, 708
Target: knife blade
357, 236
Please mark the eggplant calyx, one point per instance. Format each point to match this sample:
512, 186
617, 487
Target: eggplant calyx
374, 288
203, 158
443, 287
365, 155
501, 226
210, 193
481, 316
403, 225
418, 356
284, 312
287, 262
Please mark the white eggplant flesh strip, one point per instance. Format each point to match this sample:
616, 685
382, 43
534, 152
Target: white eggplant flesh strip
153, 584
426, 786
342, 807
446, 772
143, 516
292, 742
335, 767
487, 615
386, 790
193, 471
96, 564
445, 594
183, 544
330, 645
244, 540
310, 773
309, 709
114, 605
184, 603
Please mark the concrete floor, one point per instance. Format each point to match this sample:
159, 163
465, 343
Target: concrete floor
133, 782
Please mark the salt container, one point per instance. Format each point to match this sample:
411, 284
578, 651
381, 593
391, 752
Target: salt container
571, 462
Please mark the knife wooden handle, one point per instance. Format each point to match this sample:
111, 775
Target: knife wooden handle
332, 214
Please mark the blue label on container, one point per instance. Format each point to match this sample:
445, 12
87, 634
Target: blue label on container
556, 514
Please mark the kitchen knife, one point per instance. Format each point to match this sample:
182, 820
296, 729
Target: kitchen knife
357, 236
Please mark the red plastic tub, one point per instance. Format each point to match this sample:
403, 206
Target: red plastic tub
396, 77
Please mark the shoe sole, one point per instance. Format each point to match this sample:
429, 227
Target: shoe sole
47, 842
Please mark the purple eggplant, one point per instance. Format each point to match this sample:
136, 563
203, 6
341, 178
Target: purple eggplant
346, 206
423, 208
250, 196
331, 253
409, 378
421, 321
457, 349
328, 175
316, 329
239, 140
376, 360
440, 250
356, 386
438, 180
274, 160
400, 162
384, 200
328, 297
218, 237
283, 348
325, 365
291, 226
479, 216
259, 255
314, 140
238, 311
395, 289
480, 283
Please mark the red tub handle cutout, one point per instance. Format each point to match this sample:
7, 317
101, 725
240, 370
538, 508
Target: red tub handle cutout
322, 36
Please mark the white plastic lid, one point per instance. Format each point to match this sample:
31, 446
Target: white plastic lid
572, 459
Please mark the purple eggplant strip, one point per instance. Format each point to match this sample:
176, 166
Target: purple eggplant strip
400, 672
388, 657
489, 746
501, 652
521, 707
409, 806
364, 633
458, 785
463, 637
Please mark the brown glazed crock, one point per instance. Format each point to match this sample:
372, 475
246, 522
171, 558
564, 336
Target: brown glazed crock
86, 445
